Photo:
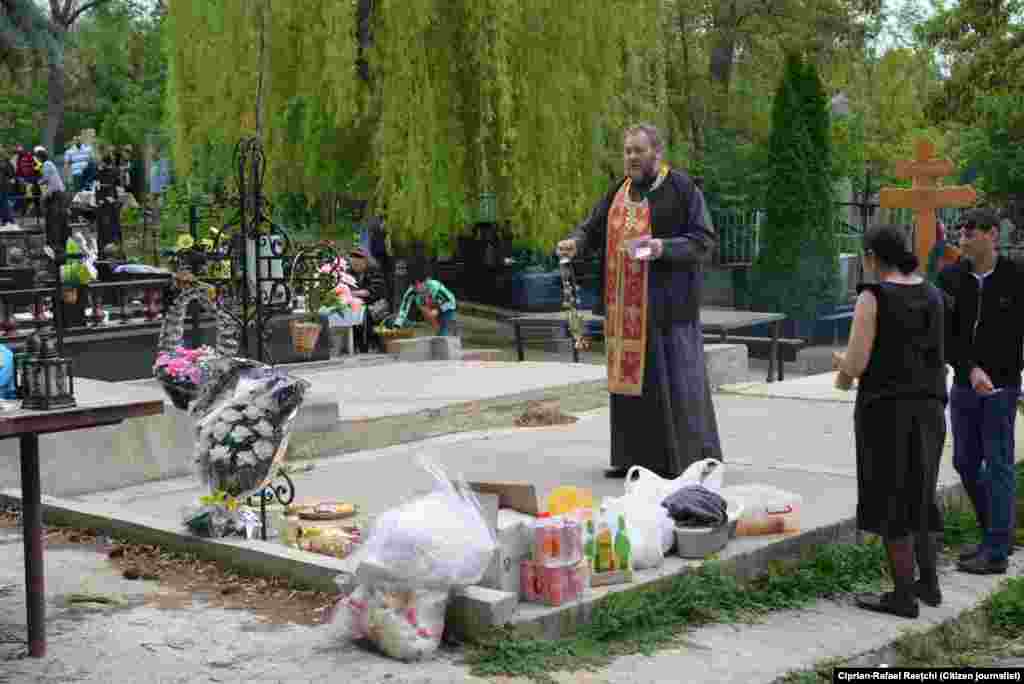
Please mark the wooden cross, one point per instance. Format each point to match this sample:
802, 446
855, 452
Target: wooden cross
925, 195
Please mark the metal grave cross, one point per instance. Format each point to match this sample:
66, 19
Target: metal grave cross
925, 194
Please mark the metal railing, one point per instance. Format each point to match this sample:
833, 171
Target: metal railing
136, 304
738, 235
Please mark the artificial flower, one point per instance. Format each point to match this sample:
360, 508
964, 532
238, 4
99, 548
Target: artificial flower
264, 429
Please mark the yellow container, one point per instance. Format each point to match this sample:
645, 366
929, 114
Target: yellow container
566, 499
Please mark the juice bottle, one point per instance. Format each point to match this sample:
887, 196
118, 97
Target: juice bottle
605, 561
547, 540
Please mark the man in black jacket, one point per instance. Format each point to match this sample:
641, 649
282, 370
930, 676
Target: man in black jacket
985, 346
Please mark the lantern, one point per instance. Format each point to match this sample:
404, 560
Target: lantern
20, 377
48, 380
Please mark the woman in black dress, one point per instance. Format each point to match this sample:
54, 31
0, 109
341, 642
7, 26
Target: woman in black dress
896, 350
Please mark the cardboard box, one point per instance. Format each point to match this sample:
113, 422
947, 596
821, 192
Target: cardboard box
509, 509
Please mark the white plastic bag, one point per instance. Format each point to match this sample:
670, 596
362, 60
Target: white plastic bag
643, 525
404, 624
645, 485
437, 541
707, 472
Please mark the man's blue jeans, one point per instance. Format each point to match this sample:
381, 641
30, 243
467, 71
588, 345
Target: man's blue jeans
444, 321
5, 208
983, 455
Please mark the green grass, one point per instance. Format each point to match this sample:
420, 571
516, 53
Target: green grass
642, 621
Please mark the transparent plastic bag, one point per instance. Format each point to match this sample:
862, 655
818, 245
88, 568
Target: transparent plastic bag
436, 541
404, 624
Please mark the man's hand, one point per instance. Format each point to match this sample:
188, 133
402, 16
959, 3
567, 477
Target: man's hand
567, 249
980, 381
361, 293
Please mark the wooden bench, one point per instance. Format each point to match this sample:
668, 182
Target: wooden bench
761, 347
553, 332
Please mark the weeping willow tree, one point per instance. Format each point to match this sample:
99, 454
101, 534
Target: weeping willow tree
525, 99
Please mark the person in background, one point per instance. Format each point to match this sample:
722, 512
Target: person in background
7, 182
54, 202
896, 348
76, 159
435, 302
372, 289
986, 340
28, 177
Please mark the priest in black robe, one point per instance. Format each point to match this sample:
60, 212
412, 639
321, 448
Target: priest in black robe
662, 416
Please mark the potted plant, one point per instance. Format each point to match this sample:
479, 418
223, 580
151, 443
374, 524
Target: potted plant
74, 274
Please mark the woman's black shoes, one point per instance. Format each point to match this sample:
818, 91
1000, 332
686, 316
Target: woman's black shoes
891, 603
928, 593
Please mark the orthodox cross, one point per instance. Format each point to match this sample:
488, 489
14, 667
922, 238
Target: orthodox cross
925, 194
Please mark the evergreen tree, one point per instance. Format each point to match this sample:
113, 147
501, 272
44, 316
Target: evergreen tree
796, 271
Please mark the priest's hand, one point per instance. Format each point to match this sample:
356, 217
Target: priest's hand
656, 247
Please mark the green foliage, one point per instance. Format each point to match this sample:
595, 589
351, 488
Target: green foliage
983, 42
995, 145
466, 96
796, 270
1006, 608
640, 621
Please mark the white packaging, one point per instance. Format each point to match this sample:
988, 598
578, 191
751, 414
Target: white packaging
514, 533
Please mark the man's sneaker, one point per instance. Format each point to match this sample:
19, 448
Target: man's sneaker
970, 552
983, 565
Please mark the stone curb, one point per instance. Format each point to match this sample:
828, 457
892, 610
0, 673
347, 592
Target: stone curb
473, 610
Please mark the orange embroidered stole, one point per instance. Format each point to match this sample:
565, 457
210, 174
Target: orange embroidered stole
625, 334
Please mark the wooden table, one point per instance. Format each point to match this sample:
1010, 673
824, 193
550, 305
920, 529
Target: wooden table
724, 321
93, 410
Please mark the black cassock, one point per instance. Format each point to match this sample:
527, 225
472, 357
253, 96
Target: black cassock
672, 423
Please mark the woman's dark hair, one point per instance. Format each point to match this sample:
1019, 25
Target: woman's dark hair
888, 242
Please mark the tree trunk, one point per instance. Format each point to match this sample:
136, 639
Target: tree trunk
364, 34
720, 64
53, 133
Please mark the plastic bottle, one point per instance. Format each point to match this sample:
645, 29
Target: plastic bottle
623, 548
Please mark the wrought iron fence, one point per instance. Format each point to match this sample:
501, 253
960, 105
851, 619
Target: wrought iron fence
738, 232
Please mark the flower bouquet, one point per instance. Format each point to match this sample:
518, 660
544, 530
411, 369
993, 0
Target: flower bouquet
182, 371
243, 417
342, 308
